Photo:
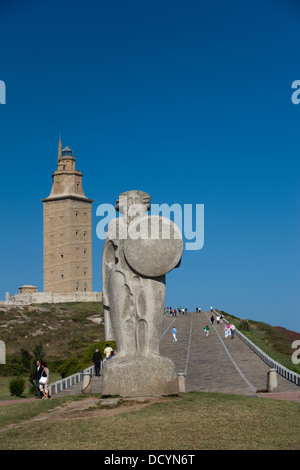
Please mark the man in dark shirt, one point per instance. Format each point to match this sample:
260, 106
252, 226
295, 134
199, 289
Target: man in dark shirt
37, 375
97, 358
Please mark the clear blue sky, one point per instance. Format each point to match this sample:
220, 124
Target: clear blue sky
187, 100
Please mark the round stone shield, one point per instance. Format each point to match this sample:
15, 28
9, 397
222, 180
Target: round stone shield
154, 245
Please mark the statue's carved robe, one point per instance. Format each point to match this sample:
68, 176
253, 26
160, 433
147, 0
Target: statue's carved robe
133, 304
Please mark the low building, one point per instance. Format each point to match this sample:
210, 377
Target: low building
27, 289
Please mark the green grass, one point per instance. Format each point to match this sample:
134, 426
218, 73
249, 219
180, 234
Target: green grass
193, 421
16, 413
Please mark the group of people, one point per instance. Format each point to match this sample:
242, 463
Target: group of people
41, 379
229, 329
41, 374
97, 357
219, 319
175, 312
198, 309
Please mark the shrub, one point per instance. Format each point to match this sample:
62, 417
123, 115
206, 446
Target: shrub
12, 367
38, 353
17, 386
244, 325
68, 367
25, 359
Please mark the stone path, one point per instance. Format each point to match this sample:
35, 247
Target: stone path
215, 364
77, 389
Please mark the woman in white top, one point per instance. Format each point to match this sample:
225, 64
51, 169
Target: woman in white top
44, 381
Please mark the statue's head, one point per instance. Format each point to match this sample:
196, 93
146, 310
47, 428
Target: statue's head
133, 203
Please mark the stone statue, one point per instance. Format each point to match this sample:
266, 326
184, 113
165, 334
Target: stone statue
138, 252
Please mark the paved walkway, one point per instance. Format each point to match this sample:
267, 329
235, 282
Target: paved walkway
216, 364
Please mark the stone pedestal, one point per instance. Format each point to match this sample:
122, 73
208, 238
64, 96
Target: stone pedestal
181, 383
87, 383
272, 384
139, 376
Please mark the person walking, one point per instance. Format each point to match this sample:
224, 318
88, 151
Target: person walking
227, 330
112, 354
212, 319
36, 378
44, 380
206, 331
107, 351
174, 334
97, 358
232, 329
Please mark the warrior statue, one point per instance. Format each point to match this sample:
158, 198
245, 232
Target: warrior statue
138, 252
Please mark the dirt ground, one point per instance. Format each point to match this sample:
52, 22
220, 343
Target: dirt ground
90, 407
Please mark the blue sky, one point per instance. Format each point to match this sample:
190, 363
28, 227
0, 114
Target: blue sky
187, 100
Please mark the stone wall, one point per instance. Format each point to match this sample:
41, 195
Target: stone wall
52, 298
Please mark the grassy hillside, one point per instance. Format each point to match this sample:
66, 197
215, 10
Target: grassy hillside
64, 330
275, 341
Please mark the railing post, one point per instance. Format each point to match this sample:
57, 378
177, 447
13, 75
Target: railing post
272, 384
87, 383
181, 382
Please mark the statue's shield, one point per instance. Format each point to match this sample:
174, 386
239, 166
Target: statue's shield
154, 245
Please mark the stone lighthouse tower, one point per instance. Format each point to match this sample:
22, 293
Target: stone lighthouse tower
67, 230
